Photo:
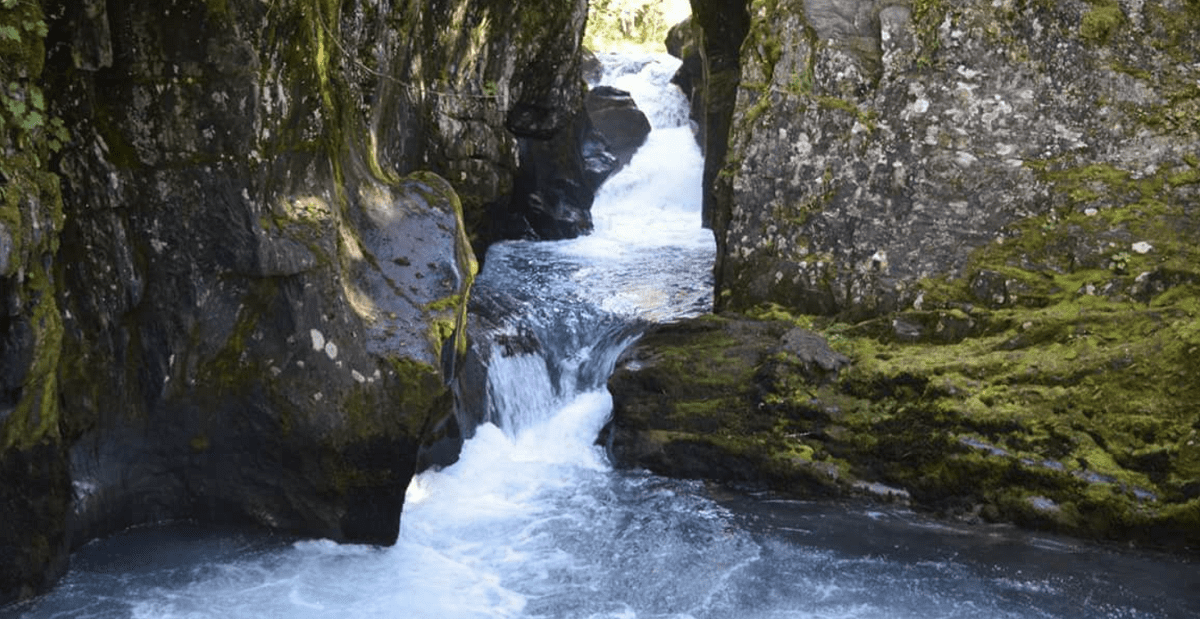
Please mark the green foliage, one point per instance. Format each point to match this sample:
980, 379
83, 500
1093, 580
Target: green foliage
25, 123
802, 83
616, 24
31, 214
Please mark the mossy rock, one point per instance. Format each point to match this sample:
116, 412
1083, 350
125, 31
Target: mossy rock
1076, 417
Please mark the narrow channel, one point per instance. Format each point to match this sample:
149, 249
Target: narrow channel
532, 521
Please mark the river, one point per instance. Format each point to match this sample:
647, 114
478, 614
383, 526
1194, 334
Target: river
532, 521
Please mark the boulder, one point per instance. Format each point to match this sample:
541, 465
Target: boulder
989, 209
616, 116
554, 187
988, 428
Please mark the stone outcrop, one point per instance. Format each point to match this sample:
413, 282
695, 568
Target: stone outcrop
240, 307
989, 208
1026, 424
718, 27
879, 144
555, 184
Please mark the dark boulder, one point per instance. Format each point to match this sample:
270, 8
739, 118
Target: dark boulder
555, 185
617, 117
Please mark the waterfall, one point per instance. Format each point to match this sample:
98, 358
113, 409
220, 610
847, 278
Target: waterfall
648, 259
532, 522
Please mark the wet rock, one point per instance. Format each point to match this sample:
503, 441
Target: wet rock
1055, 433
555, 185
684, 412
239, 308
617, 118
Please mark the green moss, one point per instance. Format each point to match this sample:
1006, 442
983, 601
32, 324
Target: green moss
217, 7
31, 216
36, 417
865, 118
416, 397
927, 16
1086, 402
230, 371
199, 443
1101, 21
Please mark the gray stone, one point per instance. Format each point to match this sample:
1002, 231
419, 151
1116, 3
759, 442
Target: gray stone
873, 146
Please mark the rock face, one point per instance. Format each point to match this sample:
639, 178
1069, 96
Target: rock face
239, 308
989, 208
875, 145
719, 26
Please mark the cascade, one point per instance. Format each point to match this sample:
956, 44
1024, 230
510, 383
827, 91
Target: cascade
533, 522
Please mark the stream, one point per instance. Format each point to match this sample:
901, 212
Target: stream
532, 521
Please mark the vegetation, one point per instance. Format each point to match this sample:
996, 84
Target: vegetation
1078, 417
30, 214
633, 25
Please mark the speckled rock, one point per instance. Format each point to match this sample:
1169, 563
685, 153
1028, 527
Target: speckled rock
990, 210
877, 144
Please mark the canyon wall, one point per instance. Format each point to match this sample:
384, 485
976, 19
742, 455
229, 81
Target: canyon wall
234, 251
957, 264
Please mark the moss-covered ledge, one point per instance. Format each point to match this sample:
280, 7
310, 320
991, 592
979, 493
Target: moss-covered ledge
1079, 417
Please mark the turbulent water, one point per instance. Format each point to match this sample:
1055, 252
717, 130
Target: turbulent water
533, 522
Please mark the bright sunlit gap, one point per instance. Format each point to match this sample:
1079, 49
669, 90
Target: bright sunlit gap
632, 25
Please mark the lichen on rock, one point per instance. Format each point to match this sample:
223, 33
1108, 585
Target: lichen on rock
876, 146
989, 208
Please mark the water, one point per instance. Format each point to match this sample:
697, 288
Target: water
533, 522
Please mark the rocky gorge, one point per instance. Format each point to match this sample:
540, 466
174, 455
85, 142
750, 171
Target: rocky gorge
955, 268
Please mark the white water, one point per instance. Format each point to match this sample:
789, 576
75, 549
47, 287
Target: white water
532, 521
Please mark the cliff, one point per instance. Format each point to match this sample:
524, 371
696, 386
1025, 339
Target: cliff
235, 256
988, 209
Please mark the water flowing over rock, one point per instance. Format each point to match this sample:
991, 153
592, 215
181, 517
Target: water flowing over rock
261, 255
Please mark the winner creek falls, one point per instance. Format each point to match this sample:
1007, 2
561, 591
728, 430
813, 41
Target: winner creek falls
533, 521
